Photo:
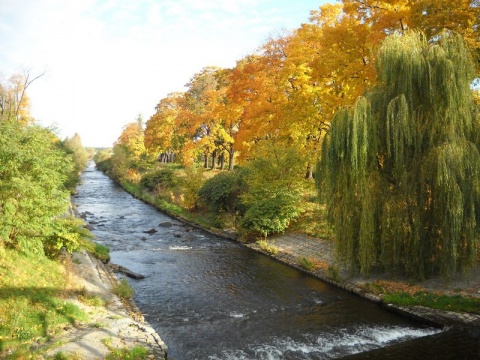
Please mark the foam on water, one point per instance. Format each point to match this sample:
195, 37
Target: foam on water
180, 247
328, 346
236, 315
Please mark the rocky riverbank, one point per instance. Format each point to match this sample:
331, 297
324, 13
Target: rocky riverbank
112, 325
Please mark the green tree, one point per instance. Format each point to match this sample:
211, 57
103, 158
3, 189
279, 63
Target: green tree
80, 158
274, 188
34, 199
400, 170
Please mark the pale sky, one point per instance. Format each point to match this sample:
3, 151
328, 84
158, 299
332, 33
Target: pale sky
106, 61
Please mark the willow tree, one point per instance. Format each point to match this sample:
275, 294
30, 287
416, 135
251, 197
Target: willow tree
400, 170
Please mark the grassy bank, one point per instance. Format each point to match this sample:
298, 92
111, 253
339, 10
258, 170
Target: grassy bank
33, 290
33, 300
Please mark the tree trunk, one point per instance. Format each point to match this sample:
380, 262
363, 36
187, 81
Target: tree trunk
222, 161
205, 161
214, 159
309, 174
231, 152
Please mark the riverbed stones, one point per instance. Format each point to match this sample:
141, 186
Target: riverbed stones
165, 224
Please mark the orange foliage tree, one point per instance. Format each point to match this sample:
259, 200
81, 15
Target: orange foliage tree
289, 89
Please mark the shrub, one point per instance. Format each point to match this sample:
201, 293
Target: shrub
191, 183
221, 193
163, 178
275, 184
271, 214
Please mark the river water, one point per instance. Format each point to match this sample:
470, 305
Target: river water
211, 298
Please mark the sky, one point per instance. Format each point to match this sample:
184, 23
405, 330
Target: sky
107, 61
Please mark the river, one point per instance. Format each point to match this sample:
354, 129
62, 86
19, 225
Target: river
212, 298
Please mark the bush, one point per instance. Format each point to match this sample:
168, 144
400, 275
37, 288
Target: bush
163, 178
221, 193
275, 184
191, 183
271, 214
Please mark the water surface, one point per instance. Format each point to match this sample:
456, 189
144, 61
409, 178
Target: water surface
211, 298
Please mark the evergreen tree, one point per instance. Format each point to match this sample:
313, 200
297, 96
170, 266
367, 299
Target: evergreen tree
400, 170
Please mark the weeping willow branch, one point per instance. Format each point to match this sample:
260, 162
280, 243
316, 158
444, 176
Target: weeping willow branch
400, 172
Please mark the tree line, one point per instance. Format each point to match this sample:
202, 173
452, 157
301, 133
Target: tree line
288, 90
382, 92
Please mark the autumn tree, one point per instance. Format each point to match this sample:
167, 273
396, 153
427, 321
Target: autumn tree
132, 137
205, 128
14, 102
400, 170
162, 132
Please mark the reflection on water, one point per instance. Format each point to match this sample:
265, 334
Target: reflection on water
211, 298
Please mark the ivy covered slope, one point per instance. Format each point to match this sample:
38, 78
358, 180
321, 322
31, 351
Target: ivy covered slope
37, 174
400, 170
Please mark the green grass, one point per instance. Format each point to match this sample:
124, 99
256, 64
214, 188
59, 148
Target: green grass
92, 300
101, 252
306, 263
32, 301
268, 247
136, 353
123, 289
443, 302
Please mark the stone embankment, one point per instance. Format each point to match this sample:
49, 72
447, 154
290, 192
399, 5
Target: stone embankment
292, 249
114, 325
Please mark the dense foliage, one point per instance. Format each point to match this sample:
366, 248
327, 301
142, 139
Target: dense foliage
79, 156
290, 88
37, 173
271, 112
222, 192
400, 171
162, 178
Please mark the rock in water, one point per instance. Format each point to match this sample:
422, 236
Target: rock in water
151, 231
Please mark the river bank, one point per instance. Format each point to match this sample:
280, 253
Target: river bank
291, 249
112, 326
316, 257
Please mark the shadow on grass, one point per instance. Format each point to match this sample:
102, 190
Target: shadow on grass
34, 311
